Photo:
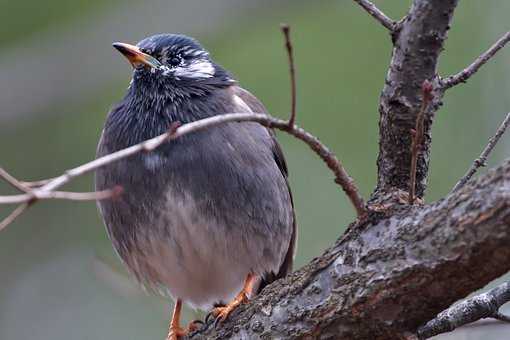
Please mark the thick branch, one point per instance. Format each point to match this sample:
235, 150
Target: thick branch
415, 57
485, 305
388, 275
377, 14
466, 73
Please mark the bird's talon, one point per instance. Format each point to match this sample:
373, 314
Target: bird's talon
208, 317
222, 313
195, 325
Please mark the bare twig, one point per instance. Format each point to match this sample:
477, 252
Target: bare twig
485, 305
35, 184
377, 14
292, 71
47, 191
13, 181
13, 215
417, 136
62, 195
466, 73
482, 159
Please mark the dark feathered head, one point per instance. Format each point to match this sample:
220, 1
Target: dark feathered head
171, 64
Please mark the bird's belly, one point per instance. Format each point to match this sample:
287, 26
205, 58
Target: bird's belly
199, 281
193, 225
195, 266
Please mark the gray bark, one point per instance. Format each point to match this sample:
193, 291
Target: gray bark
417, 46
485, 305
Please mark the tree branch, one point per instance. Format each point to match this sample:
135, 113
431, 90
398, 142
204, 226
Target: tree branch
20, 209
485, 305
292, 71
501, 317
13, 181
377, 14
61, 195
389, 273
466, 73
481, 161
47, 191
415, 57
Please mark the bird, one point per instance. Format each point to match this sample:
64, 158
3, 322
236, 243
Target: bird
206, 219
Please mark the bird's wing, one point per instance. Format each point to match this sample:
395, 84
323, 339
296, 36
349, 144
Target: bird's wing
257, 107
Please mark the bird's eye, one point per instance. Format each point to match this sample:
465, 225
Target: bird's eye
174, 61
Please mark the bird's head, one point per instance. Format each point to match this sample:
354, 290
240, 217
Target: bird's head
168, 62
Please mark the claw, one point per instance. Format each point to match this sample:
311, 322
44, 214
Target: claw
195, 325
222, 313
208, 317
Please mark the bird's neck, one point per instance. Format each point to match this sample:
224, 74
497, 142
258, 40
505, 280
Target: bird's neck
170, 103
144, 114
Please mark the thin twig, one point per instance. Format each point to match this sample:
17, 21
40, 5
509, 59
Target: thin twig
417, 136
86, 196
341, 176
482, 159
35, 184
377, 14
61, 195
466, 73
13, 215
292, 71
13, 181
485, 305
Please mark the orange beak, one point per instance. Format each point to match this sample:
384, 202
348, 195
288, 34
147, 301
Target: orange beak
135, 56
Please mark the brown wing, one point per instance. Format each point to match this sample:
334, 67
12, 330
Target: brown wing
257, 107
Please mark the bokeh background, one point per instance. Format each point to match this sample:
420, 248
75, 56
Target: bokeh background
60, 278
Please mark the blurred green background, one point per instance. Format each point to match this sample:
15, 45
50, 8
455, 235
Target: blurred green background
60, 278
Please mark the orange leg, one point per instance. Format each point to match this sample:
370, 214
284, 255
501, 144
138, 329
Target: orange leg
222, 313
175, 331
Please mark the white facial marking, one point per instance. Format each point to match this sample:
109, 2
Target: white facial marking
166, 70
201, 68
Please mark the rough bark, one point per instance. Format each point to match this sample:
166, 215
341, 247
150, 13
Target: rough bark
417, 46
485, 305
390, 273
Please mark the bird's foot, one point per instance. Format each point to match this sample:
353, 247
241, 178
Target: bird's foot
176, 333
195, 325
222, 313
